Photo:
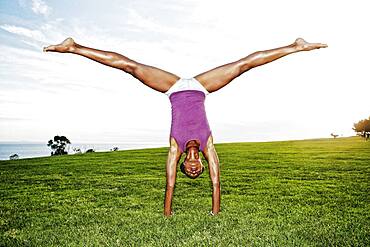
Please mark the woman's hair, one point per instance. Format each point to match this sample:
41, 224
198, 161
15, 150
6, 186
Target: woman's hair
182, 168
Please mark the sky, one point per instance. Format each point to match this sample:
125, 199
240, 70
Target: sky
301, 96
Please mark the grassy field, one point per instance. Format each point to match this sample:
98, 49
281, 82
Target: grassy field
292, 193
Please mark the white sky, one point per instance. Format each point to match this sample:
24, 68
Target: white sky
304, 95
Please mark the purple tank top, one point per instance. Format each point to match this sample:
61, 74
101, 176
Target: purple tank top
189, 120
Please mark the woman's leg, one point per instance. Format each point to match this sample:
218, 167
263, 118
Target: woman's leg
219, 77
155, 78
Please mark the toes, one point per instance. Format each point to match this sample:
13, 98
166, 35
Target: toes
49, 48
319, 45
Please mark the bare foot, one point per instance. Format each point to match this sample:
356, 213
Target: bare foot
303, 45
66, 46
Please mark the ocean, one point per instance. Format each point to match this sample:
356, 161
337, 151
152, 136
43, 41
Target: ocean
30, 150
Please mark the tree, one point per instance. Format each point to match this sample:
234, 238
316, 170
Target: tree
334, 135
58, 145
362, 128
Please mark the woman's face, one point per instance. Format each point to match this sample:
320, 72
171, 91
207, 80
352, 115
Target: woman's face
193, 168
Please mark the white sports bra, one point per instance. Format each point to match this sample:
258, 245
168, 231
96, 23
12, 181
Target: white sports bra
186, 84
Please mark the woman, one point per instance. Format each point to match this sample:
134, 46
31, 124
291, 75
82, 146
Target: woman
190, 130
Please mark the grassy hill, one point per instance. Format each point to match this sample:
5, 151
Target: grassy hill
292, 193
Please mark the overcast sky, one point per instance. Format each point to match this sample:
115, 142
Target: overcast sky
304, 95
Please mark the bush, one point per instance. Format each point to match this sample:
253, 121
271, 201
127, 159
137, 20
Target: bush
14, 157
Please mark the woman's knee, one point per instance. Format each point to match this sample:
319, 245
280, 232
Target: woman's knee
130, 67
125, 64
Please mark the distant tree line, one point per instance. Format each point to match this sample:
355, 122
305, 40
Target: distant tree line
362, 128
59, 144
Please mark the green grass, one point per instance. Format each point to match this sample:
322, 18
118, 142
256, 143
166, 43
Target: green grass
292, 193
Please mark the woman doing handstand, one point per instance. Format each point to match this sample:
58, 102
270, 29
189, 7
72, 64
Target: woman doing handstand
190, 131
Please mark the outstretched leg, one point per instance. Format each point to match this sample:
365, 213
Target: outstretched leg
155, 78
219, 77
